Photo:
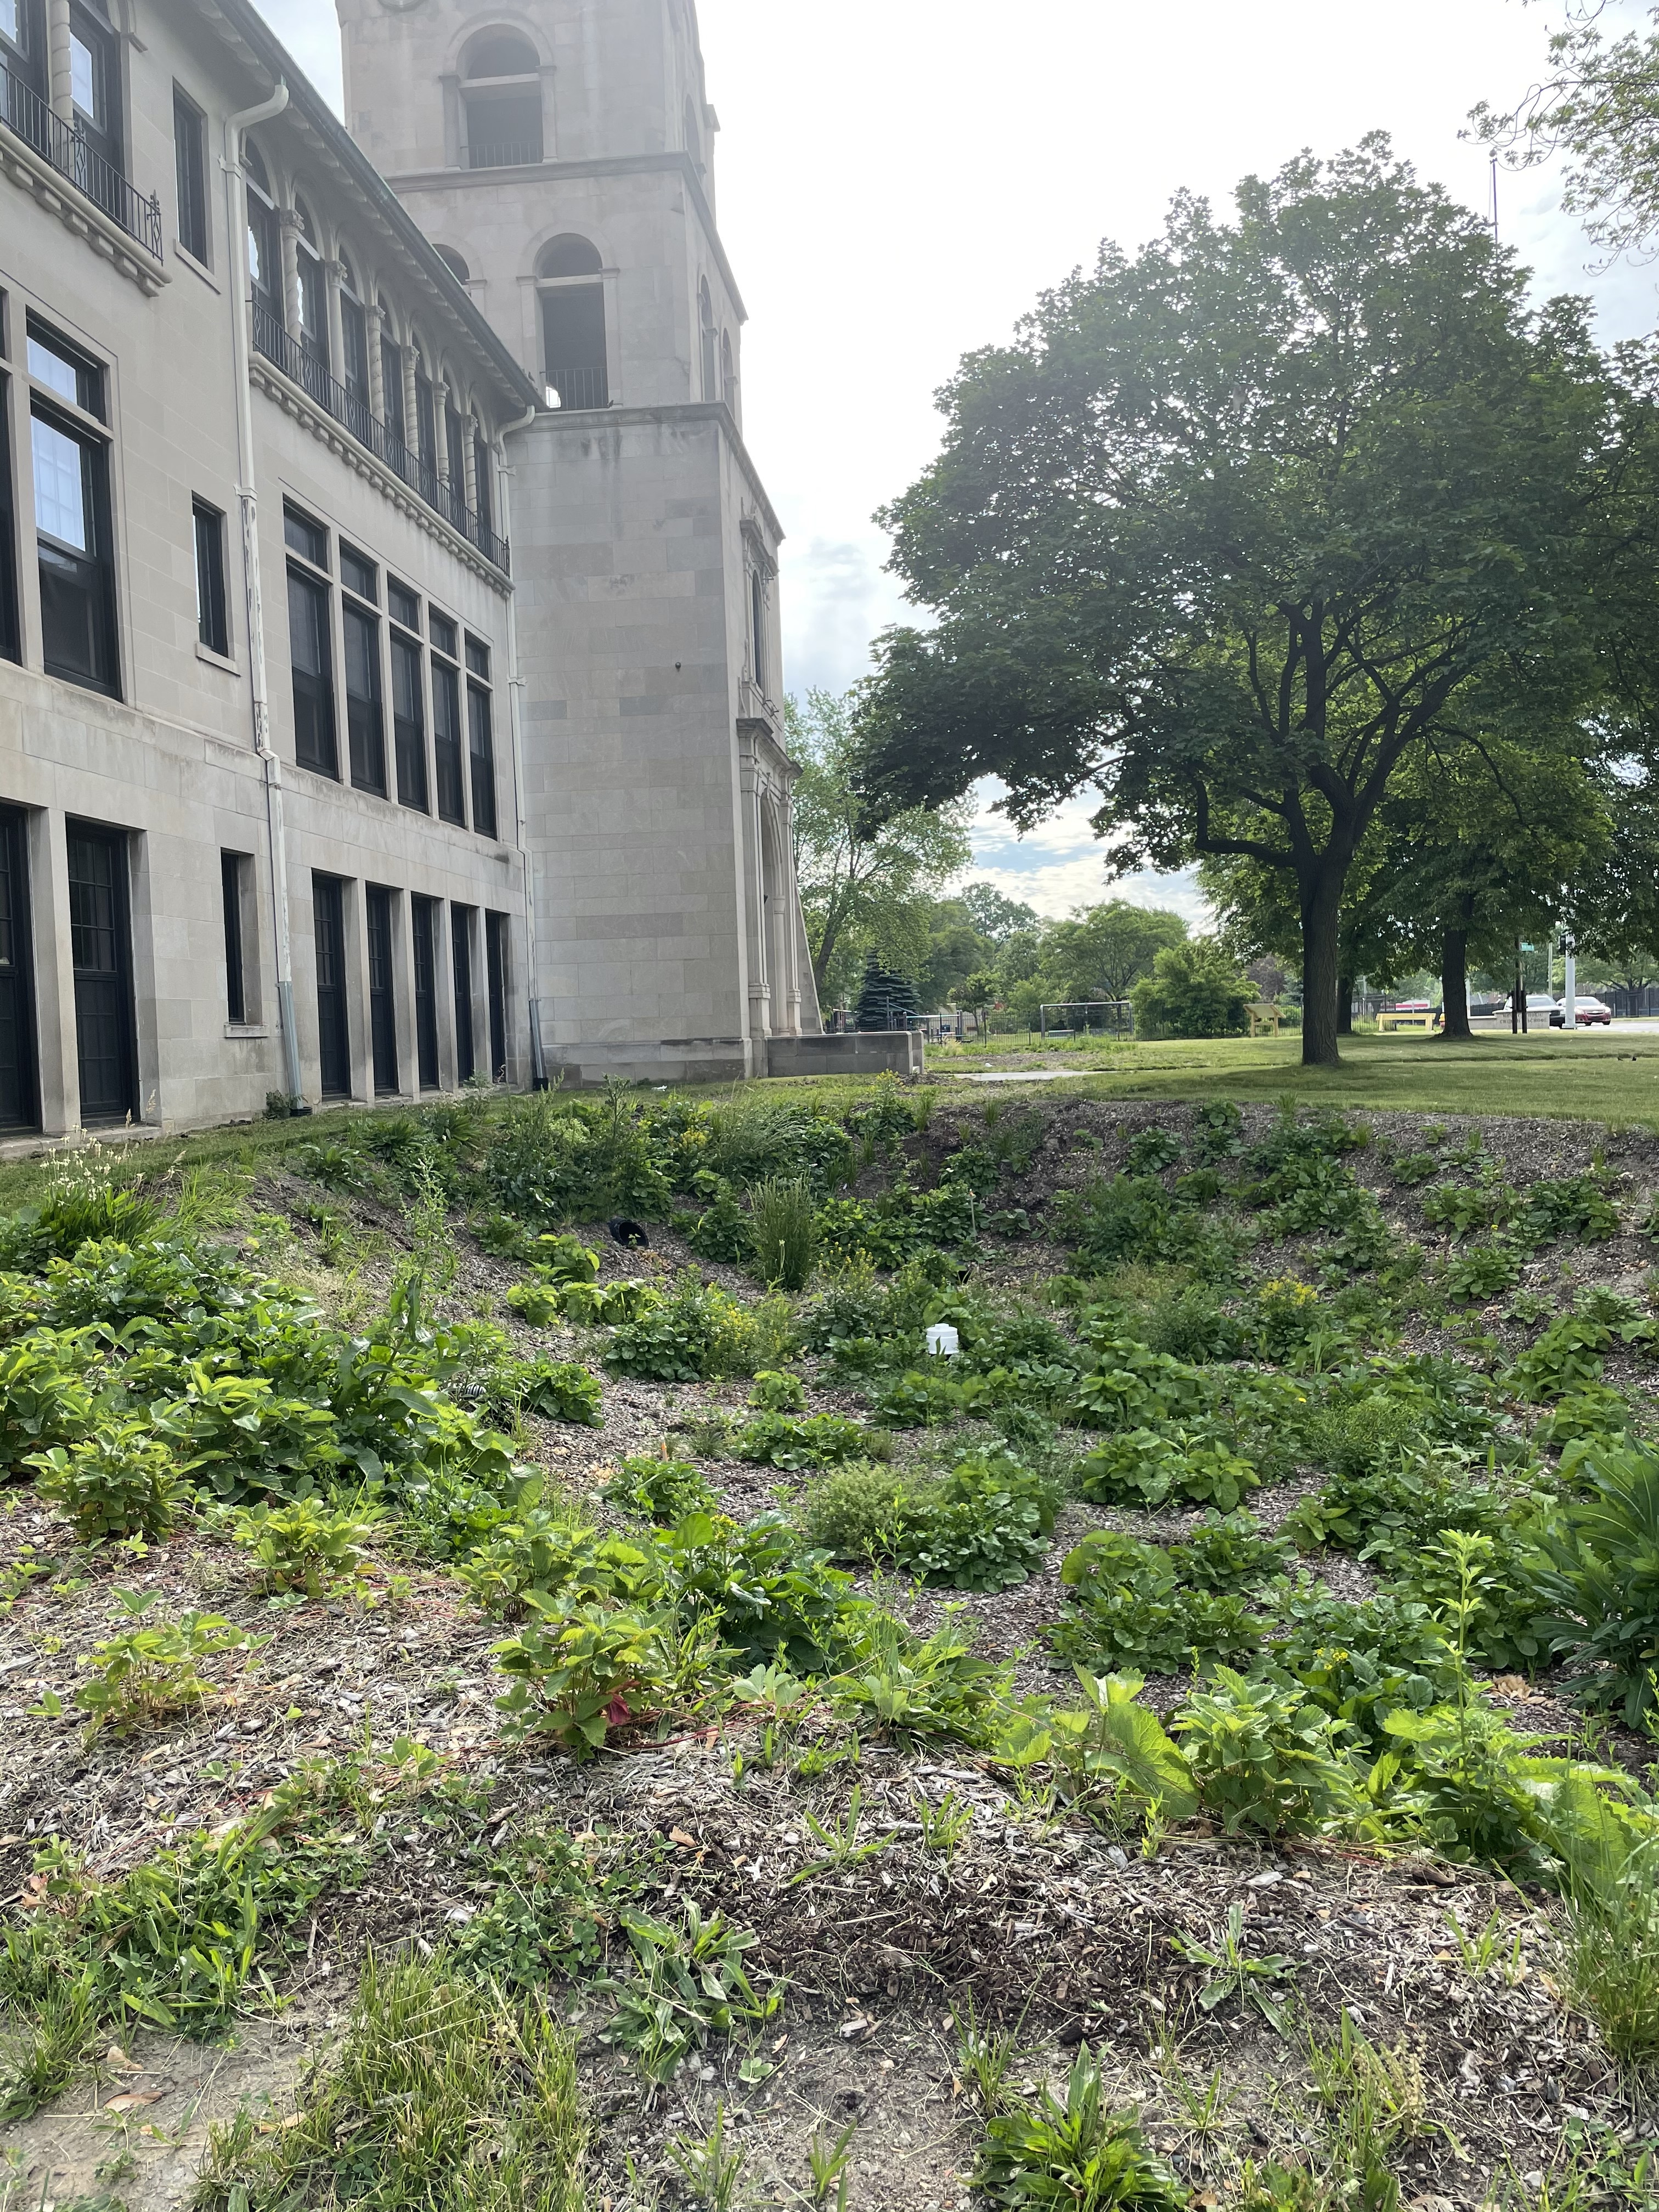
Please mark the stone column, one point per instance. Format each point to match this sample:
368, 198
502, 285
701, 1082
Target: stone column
443, 400
469, 462
334, 335
376, 383
291, 271
753, 884
58, 79
411, 423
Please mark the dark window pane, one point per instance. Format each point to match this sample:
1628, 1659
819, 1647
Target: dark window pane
358, 574
495, 956
481, 745
484, 505
19, 1094
478, 657
333, 1032
211, 626
443, 632
77, 596
460, 936
314, 310
423, 929
446, 742
190, 162
405, 607
382, 999
573, 330
426, 423
392, 388
365, 730
305, 537
10, 619
265, 256
231, 866
408, 723
455, 444
313, 678
354, 347
101, 952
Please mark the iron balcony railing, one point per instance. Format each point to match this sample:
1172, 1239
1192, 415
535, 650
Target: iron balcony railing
301, 366
504, 153
581, 388
24, 112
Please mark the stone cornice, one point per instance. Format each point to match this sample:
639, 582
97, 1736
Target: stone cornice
83, 217
265, 377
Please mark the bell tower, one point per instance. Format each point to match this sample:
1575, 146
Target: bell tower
559, 154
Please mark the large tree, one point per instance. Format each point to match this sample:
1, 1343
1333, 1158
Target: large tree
1234, 526
868, 877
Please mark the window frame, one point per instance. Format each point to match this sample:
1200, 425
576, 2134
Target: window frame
82, 422
212, 604
360, 627
314, 578
234, 869
405, 651
11, 599
448, 751
190, 170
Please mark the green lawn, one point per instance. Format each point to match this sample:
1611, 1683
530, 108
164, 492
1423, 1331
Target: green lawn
1600, 1079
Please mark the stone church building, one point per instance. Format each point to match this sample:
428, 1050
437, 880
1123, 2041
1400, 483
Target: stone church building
389, 668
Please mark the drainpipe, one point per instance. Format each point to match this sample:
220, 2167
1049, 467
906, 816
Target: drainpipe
247, 498
515, 714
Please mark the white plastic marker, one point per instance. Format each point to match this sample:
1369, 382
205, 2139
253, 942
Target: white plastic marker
943, 1340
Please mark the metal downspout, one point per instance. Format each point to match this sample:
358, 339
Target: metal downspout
515, 698
248, 500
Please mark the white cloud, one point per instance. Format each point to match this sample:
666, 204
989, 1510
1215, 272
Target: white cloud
1061, 864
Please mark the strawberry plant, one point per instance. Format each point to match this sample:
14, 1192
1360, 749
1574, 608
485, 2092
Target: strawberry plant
122, 1481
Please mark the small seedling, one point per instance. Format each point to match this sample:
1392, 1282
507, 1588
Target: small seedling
1233, 1974
144, 1674
944, 1824
985, 2059
711, 2171
840, 1840
1486, 1951
829, 2162
1205, 2111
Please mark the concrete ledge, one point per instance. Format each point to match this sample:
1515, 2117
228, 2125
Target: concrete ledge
859, 1052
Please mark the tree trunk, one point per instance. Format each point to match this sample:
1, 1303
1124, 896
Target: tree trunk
1345, 1005
1455, 980
1321, 906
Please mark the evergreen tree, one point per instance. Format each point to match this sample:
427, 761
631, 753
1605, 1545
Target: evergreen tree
886, 1001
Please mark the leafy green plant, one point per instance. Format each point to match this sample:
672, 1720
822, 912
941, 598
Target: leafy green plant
1131, 1612
562, 1259
538, 1305
857, 1513
239, 1438
433, 2075
1483, 1271
1150, 1468
120, 1481
710, 2168
1114, 1743
145, 1674
722, 1231
910, 1688
43, 1401
776, 1392
781, 1440
1233, 1973
551, 1902
1044, 2153
307, 1546
1566, 1358
688, 1983
1359, 1662
580, 1670
699, 1334
1264, 1758
783, 1223
661, 1491
1595, 1576
557, 1389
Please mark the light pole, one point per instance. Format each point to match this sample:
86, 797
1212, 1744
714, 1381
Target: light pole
1570, 987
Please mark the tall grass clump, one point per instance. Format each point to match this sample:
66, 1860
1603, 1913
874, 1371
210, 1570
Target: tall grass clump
784, 1227
1610, 1951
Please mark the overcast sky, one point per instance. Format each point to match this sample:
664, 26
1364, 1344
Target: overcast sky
898, 179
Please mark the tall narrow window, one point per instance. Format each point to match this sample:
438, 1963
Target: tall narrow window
354, 353
496, 962
392, 379
95, 100
455, 442
22, 55
708, 342
460, 955
501, 97
481, 742
234, 868
101, 945
310, 644
365, 724
408, 710
20, 1098
426, 426
757, 627
264, 251
10, 620
423, 930
486, 506
212, 627
333, 1022
573, 322
382, 995
447, 722
190, 165
71, 512
313, 292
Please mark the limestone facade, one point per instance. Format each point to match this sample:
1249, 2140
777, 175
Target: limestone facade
559, 154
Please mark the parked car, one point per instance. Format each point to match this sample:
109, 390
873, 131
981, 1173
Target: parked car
1588, 1012
1541, 1010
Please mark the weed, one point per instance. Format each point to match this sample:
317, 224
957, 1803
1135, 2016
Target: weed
581, 1670
660, 1491
439, 2093
711, 2171
1481, 1953
775, 1393
944, 1824
829, 2164
144, 1674
1597, 1579
688, 1983
840, 1841
1263, 1758
1042, 2153
1232, 1973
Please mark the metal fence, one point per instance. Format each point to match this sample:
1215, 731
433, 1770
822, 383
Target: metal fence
24, 113
1086, 1017
581, 388
311, 373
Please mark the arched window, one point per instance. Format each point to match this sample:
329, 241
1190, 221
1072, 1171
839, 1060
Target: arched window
455, 262
265, 247
354, 340
501, 100
426, 423
572, 321
711, 389
313, 292
392, 375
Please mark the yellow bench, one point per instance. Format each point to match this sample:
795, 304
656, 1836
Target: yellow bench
1386, 1023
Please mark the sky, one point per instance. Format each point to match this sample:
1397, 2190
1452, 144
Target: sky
899, 180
